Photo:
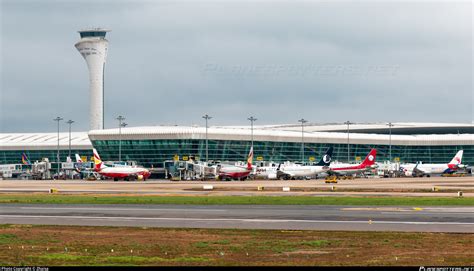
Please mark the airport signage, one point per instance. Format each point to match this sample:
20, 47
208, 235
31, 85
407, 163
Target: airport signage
69, 165
358, 158
7, 167
260, 158
185, 158
311, 158
396, 159
176, 157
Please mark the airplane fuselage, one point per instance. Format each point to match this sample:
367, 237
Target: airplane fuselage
426, 169
266, 172
348, 169
234, 172
124, 172
302, 171
292, 171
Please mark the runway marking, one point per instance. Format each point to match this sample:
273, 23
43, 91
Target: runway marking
117, 209
235, 219
408, 210
387, 209
383, 210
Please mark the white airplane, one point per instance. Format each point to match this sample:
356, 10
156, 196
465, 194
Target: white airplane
294, 171
80, 166
420, 169
83, 169
126, 173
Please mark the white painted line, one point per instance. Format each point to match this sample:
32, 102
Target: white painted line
116, 209
382, 211
236, 220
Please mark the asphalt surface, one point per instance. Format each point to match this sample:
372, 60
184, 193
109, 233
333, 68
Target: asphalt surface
446, 186
351, 218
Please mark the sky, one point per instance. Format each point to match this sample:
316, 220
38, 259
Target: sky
171, 62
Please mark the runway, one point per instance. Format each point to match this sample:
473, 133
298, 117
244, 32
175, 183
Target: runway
446, 187
350, 218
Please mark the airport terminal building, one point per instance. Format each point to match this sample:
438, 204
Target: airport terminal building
151, 146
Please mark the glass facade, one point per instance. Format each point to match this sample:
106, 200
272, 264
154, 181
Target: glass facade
14, 157
154, 152
93, 34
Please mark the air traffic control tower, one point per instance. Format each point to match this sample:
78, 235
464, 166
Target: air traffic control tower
93, 47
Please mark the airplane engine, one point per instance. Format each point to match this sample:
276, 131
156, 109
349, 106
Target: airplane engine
272, 176
140, 177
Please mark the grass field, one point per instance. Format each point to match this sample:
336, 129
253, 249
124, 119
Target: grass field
215, 200
74, 245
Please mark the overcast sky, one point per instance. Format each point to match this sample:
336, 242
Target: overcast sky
170, 62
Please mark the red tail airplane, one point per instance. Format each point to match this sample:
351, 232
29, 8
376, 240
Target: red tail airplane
126, 173
348, 169
236, 172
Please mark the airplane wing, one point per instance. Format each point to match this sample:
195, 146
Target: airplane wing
334, 172
281, 173
417, 170
369, 168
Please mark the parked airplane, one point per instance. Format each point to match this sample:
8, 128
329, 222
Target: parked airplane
350, 169
80, 165
284, 171
83, 169
236, 172
126, 173
420, 169
25, 160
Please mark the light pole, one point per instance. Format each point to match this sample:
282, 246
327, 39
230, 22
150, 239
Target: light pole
252, 119
58, 119
390, 125
303, 121
120, 119
207, 117
348, 150
70, 122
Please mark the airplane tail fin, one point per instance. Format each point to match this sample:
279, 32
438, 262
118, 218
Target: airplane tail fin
97, 161
457, 159
326, 159
250, 158
25, 160
78, 159
370, 158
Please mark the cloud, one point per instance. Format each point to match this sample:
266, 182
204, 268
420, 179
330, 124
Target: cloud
171, 62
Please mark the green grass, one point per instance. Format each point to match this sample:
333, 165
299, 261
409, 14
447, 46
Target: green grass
230, 200
208, 244
8, 238
63, 257
201, 245
92, 246
315, 243
115, 260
